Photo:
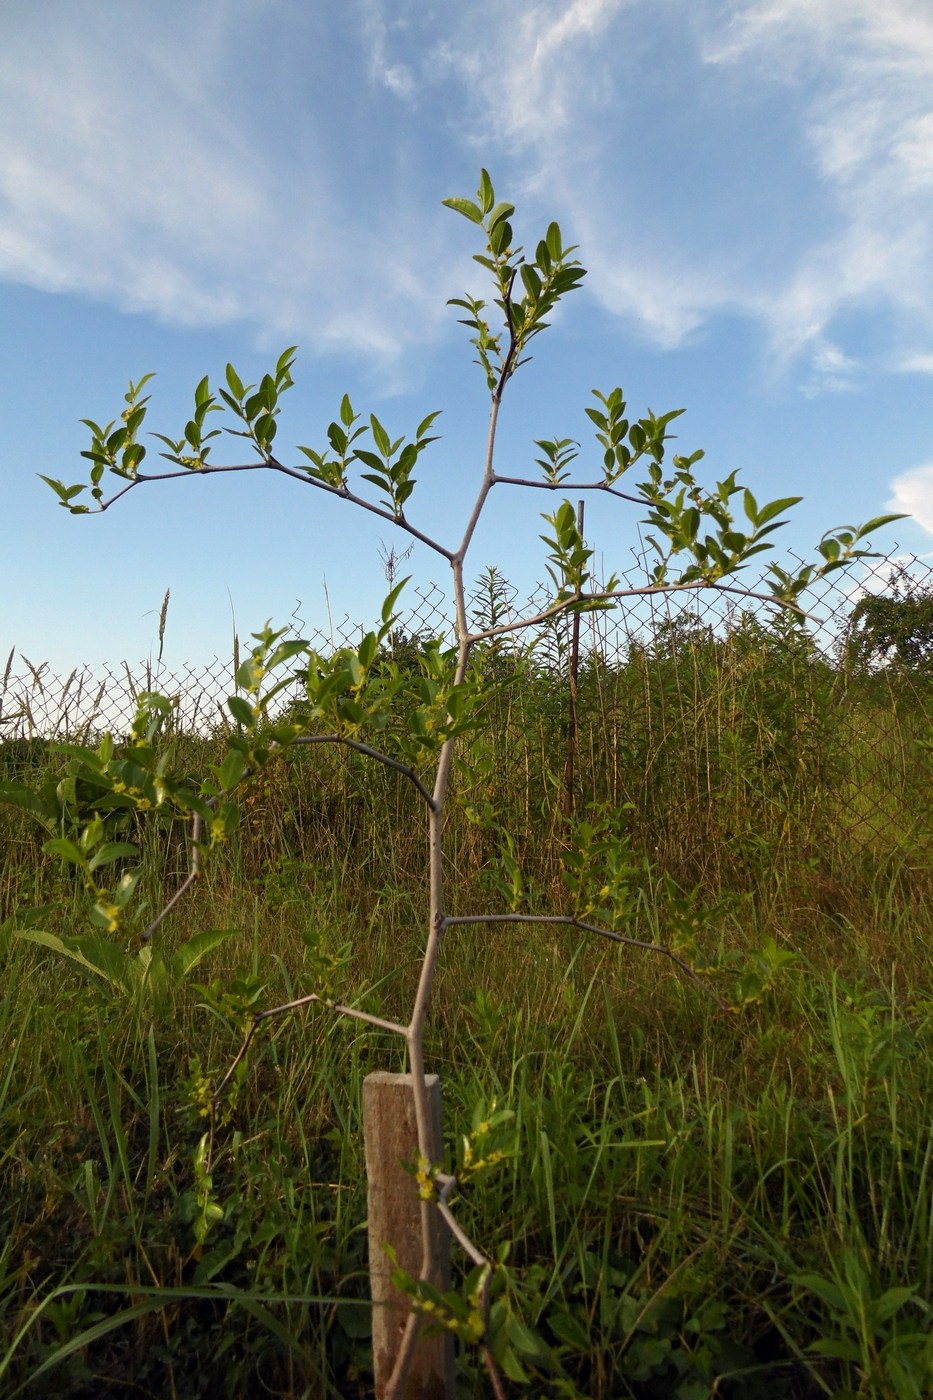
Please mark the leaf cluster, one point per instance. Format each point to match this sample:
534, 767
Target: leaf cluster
549, 276
600, 872
115, 449
257, 407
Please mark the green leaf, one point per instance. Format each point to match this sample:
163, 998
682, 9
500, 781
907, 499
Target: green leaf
18, 795
284, 652
370, 459
285, 360
512, 1367
841, 1351
388, 607
531, 280
501, 212
232, 769
111, 851
95, 955
568, 1329
380, 436
465, 207
61, 846
198, 946
553, 241
425, 424
487, 197
64, 493
500, 237
265, 429
891, 1302
827, 1291
876, 524
241, 710
337, 439
774, 508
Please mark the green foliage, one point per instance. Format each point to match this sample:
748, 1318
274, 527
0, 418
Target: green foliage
551, 275
256, 407
599, 868
896, 626
406, 714
138, 974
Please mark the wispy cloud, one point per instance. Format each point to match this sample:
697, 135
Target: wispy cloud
913, 494
132, 170
831, 370
282, 164
861, 73
921, 363
771, 159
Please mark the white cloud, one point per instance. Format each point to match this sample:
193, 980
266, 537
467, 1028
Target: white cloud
915, 364
862, 74
913, 494
541, 71
396, 76
831, 370
770, 159
612, 106
132, 170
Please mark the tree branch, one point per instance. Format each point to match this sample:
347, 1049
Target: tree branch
312, 997
646, 591
453, 1225
603, 486
194, 870
360, 747
378, 1021
272, 464
569, 921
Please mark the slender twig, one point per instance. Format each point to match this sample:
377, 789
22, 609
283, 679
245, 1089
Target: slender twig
603, 486
448, 1184
492, 1369
194, 867
378, 1021
296, 1005
507, 363
370, 752
297, 474
238, 1058
454, 1226
194, 870
569, 921
644, 591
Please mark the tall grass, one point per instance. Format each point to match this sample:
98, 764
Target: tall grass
701, 1204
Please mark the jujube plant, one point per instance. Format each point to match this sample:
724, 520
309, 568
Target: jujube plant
421, 723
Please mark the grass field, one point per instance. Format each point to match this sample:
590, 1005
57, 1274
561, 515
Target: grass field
701, 1202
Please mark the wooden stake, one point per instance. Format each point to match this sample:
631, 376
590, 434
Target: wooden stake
395, 1218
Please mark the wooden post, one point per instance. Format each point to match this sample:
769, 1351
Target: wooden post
394, 1206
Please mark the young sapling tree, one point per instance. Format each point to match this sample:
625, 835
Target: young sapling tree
700, 538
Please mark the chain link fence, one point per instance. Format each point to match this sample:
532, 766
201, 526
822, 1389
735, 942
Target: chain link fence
36, 702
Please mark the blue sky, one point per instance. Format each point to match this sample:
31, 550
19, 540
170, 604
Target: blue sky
751, 185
